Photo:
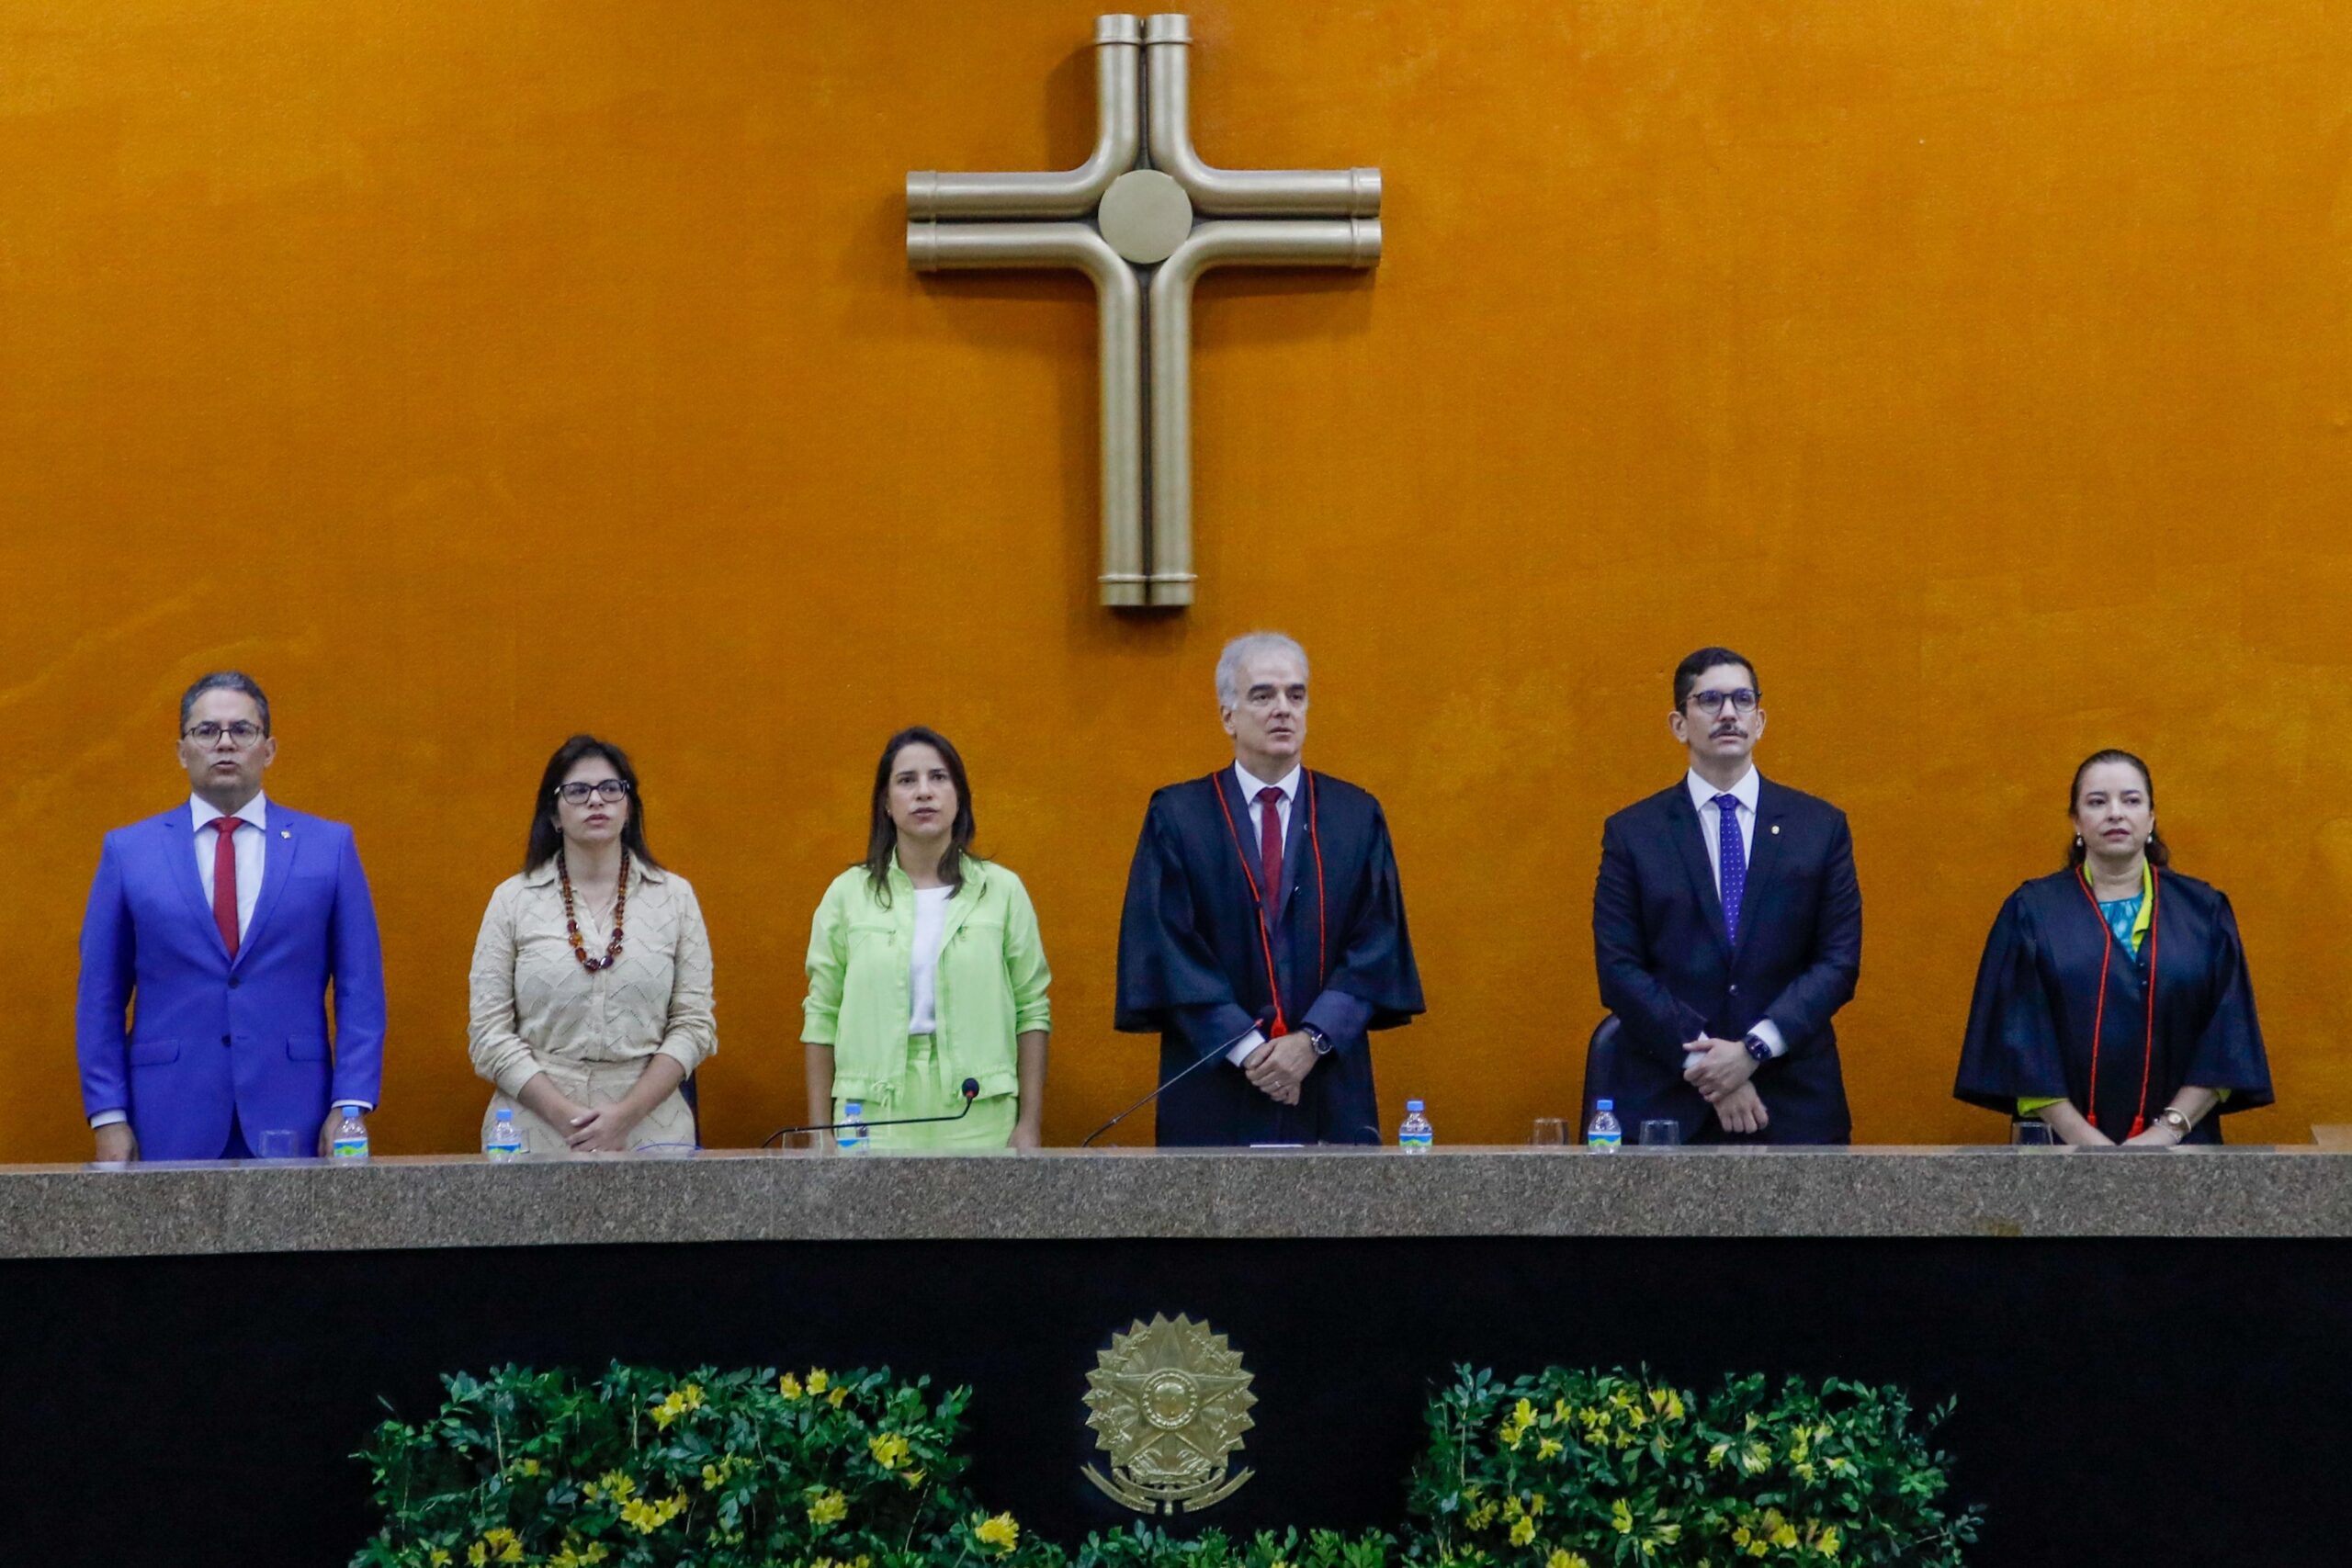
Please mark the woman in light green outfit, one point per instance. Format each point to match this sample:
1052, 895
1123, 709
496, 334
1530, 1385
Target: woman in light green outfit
925, 969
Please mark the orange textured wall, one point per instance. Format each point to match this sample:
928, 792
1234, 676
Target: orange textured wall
476, 372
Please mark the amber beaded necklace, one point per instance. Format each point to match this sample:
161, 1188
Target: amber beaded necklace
571, 921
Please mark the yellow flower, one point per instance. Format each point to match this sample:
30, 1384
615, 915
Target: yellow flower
1804, 1472
526, 1467
911, 1477
828, 1508
1523, 1413
1755, 1459
1670, 1533
1828, 1543
1480, 1516
835, 1398
817, 1381
1547, 1448
1566, 1559
1523, 1532
1715, 1456
478, 1555
1535, 1502
440, 1555
889, 1449
788, 1386
1667, 1403
1786, 1536
1000, 1531
1621, 1516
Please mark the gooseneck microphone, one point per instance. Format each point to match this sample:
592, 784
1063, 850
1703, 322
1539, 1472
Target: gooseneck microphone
971, 1093
1216, 1055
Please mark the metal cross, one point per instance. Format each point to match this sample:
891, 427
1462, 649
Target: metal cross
1131, 217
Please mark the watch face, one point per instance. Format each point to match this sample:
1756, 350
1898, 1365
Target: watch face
1757, 1049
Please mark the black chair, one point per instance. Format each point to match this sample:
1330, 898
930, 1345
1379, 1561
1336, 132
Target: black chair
1599, 1071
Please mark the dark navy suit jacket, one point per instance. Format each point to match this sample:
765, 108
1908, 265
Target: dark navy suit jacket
1670, 974
208, 1038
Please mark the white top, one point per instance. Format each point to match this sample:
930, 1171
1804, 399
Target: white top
251, 841
1241, 1050
922, 965
1703, 796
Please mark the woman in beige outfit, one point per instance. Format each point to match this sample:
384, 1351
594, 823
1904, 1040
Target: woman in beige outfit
591, 983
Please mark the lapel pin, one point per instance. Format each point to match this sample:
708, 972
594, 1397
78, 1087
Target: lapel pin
1776, 830
289, 832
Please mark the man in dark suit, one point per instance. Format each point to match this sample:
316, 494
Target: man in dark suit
1727, 928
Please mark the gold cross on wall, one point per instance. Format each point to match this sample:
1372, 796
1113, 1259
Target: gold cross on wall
1143, 217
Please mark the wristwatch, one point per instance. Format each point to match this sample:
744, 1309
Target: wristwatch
2172, 1118
1316, 1037
1757, 1051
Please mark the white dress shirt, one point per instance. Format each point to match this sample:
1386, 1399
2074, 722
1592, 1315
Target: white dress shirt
1247, 1046
1703, 796
251, 848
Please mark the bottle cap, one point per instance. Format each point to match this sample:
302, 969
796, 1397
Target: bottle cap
1412, 1105
853, 1108
1604, 1105
505, 1114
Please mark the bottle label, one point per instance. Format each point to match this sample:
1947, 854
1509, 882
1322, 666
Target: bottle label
350, 1148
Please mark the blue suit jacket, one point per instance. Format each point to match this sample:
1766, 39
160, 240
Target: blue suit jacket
1670, 974
208, 1038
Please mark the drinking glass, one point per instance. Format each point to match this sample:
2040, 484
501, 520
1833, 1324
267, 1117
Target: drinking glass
807, 1142
1551, 1132
2032, 1132
1661, 1133
278, 1142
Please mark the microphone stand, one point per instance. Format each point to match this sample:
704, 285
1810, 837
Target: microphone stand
1216, 1055
971, 1093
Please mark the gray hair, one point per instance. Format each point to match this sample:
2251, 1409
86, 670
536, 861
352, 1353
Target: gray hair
225, 680
1246, 647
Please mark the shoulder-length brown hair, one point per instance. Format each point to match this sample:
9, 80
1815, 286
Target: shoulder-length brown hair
882, 836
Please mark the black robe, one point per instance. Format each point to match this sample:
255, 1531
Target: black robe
2037, 995
1192, 965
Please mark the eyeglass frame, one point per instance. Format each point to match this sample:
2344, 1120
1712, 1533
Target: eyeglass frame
610, 791
244, 734
1711, 703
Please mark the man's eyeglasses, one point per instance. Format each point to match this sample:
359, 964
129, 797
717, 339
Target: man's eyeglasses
240, 734
1745, 699
606, 790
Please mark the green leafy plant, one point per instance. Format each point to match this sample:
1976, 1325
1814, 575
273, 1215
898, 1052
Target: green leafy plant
1578, 1469
642, 1467
645, 1469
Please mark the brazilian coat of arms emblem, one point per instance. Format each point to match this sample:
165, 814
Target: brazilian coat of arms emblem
1169, 1401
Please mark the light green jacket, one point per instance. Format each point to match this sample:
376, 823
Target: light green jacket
991, 981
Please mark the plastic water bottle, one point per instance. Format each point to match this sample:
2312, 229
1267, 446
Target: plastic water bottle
854, 1136
1604, 1136
350, 1140
505, 1139
1414, 1135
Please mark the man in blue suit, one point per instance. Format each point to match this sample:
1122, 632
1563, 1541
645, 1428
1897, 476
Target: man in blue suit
213, 936
1727, 928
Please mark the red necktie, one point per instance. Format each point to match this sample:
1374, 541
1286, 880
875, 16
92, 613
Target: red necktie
1270, 844
225, 879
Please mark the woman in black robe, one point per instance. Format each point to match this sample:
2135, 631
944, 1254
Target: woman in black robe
2119, 950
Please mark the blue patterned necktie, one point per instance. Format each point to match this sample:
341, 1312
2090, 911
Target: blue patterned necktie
1735, 863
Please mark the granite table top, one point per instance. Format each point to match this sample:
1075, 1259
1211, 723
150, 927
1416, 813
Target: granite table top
152, 1210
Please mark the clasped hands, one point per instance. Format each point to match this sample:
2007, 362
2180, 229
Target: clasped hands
1280, 1066
599, 1129
1719, 1070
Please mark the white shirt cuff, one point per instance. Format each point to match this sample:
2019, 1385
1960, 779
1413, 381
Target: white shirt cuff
1239, 1053
108, 1119
1764, 1028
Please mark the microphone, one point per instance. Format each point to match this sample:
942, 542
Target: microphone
971, 1093
1216, 1055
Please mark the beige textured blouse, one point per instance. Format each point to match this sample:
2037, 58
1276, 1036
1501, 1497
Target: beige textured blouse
536, 1010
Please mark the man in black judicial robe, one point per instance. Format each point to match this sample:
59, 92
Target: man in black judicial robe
1727, 930
1289, 1061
